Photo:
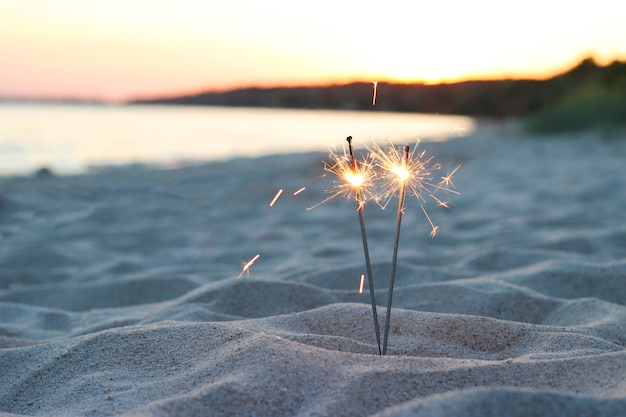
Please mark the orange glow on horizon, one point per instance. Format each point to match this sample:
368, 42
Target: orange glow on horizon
119, 51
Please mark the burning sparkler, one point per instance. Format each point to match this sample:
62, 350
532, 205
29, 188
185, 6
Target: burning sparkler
401, 173
278, 194
356, 180
404, 173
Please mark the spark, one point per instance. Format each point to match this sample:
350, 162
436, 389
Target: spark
375, 91
246, 265
440, 203
354, 178
299, 191
361, 284
276, 197
447, 185
414, 172
434, 229
402, 173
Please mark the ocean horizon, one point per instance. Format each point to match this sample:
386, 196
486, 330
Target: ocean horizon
73, 139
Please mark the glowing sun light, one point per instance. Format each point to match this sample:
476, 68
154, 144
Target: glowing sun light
402, 173
355, 178
414, 172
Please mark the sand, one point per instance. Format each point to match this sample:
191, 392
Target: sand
119, 289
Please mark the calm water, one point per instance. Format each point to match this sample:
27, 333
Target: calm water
71, 138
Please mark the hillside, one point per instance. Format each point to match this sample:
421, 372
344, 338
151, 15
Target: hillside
599, 92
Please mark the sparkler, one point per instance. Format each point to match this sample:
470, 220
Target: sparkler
404, 172
356, 180
403, 175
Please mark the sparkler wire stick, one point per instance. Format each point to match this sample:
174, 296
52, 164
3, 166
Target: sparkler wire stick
395, 251
368, 265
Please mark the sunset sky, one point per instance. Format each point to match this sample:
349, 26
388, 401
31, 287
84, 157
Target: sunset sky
118, 50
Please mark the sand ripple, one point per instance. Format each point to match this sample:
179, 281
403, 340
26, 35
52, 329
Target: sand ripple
119, 292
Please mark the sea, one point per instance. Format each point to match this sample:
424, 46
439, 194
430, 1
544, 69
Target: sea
69, 139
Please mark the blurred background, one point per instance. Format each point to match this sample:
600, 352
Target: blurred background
86, 84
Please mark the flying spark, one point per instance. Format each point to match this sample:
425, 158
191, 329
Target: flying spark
404, 172
447, 186
446, 181
246, 266
434, 229
299, 191
362, 282
375, 91
276, 197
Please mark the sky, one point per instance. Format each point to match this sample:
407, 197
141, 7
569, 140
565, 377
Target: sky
118, 50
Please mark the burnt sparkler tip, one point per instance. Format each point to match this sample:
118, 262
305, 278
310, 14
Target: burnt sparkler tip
353, 162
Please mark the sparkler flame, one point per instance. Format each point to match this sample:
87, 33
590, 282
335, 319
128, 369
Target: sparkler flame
402, 173
414, 172
446, 181
354, 177
374, 93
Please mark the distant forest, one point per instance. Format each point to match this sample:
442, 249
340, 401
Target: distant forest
587, 87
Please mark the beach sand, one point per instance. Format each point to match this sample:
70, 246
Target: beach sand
119, 289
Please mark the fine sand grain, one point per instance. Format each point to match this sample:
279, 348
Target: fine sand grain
119, 292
